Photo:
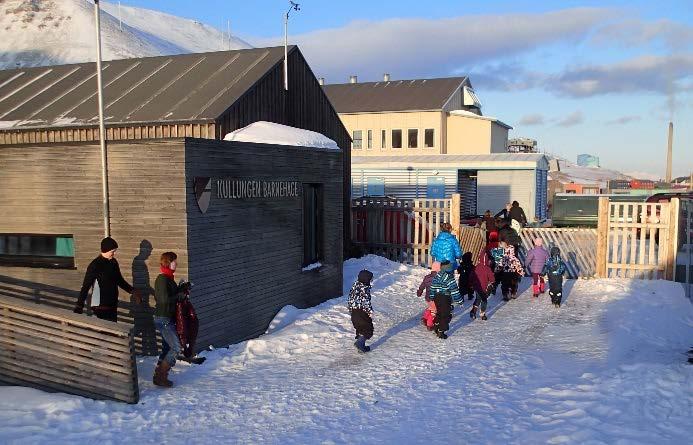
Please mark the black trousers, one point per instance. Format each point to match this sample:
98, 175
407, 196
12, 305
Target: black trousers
556, 288
443, 303
362, 322
106, 314
509, 283
481, 301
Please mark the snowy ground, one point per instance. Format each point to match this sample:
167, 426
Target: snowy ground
608, 367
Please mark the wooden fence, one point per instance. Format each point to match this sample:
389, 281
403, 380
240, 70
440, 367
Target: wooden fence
401, 230
684, 257
578, 247
56, 350
632, 240
637, 240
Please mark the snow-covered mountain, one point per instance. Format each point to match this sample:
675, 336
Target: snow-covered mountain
48, 32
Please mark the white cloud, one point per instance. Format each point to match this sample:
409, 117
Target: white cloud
659, 74
532, 119
633, 32
410, 48
572, 119
623, 120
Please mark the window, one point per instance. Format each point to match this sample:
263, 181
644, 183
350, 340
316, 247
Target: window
370, 139
312, 224
428, 137
435, 187
413, 138
396, 138
383, 139
49, 251
357, 139
376, 187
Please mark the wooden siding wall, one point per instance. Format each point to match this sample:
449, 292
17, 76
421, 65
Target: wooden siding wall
246, 255
56, 188
154, 131
305, 106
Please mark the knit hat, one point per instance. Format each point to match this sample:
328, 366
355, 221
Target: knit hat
493, 236
538, 242
435, 267
108, 244
445, 266
365, 277
555, 251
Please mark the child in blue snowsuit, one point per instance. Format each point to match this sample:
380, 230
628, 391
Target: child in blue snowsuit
444, 290
555, 268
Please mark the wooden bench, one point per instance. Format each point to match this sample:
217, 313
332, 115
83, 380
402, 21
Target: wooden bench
57, 350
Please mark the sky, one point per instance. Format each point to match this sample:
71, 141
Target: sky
598, 77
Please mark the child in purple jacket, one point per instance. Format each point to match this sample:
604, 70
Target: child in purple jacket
536, 258
429, 314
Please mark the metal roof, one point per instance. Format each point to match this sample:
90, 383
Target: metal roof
490, 161
179, 88
394, 95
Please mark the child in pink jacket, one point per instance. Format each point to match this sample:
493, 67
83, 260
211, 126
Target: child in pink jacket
425, 289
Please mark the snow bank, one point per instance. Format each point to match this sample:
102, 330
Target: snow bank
263, 132
609, 366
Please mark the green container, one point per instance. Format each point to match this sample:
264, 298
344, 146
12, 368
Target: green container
571, 210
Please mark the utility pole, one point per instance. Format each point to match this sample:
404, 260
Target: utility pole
295, 7
228, 30
102, 129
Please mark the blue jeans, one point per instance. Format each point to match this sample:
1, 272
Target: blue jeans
169, 338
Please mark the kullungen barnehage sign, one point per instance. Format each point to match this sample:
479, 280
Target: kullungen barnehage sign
253, 189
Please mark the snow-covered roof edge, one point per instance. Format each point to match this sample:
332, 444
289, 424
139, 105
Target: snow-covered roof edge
263, 132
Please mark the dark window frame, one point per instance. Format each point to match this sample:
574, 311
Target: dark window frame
313, 223
433, 137
38, 259
393, 139
383, 139
369, 139
415, 133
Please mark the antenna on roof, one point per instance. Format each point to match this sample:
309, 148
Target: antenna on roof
295, 7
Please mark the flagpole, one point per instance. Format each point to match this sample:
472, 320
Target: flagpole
102, 129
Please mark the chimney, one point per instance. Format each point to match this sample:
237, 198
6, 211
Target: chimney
671, 137
321, 80
386, 77
353, 79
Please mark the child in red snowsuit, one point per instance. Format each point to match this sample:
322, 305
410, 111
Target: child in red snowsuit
429, 314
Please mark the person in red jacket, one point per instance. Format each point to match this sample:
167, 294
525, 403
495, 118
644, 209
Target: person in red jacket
483, 281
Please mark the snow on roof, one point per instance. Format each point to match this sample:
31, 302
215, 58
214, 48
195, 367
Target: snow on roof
585, 175
466, 113
263, 132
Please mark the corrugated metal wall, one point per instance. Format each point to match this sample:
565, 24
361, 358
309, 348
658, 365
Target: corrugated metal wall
401, 183
497, 187
542, 194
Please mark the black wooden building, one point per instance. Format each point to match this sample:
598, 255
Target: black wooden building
162, 116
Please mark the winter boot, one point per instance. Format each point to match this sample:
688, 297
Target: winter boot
442, 335
542, 287
483, 316
361, 344
513, 296
472, 313
161, 374
535, 290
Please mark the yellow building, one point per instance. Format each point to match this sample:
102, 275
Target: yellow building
416, 117
427, 138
